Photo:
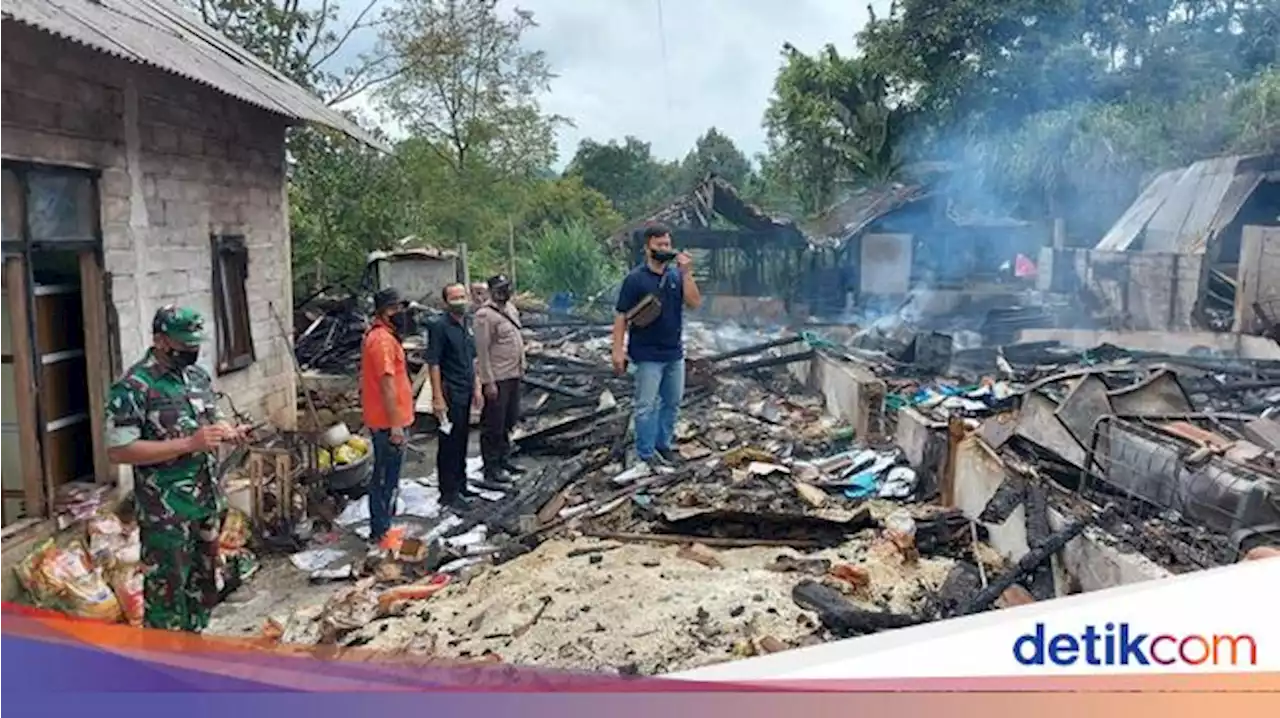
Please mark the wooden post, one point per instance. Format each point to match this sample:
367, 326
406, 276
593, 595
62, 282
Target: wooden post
947, 487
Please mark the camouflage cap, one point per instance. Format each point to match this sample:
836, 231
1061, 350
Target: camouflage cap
180, 324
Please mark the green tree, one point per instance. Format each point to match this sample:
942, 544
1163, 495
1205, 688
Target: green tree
468, 93
832, 123
715, 152
563, 201
568, 258
625, 172
469, 87
345, 201
301, 43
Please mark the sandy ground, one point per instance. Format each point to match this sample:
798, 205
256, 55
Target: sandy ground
633, 607
639, 607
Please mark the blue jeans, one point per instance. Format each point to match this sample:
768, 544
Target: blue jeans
659, 389
387, 459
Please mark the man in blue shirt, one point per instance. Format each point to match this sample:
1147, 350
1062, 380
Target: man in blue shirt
655, 350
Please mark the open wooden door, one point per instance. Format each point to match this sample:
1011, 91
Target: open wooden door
23, 475
65, 404
97, 355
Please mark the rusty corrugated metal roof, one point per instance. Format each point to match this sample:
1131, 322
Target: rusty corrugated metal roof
160, 34
846, 219
1182, 210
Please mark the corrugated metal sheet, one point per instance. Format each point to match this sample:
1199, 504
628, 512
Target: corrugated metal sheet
159, 34
1129, 227
1185, 215
856, 213
1183, 210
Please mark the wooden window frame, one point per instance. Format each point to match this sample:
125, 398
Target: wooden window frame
231, 276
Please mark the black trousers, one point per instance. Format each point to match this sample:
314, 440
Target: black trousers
451, 448
497, 419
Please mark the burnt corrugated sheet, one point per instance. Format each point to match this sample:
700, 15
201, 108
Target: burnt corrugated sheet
1182, 210
160, 34
855, 214
712, 196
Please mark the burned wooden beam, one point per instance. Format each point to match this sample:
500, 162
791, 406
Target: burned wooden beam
527, 498
712, 541
552, 386
1008, 496
1038, 531
1028, 563
841, 616
566, 426
963, 581
753, 349
945, 531
767, 362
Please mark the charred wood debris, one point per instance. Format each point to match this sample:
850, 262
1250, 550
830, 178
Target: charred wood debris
765, 466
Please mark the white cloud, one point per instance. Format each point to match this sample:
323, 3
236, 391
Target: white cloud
721, 57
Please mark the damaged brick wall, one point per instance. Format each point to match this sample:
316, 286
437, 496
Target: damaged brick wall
179, 162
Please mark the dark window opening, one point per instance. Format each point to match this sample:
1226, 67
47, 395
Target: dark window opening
231, 303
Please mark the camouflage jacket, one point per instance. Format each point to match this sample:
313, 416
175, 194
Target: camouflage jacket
152, 403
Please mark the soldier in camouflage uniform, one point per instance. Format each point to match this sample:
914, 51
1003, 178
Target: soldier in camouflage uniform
163, 418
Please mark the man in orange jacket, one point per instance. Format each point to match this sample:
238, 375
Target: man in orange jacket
386, 398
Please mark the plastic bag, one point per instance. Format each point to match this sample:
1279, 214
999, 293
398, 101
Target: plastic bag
31, 575
112, 541
235, 531
64, 579
127, 582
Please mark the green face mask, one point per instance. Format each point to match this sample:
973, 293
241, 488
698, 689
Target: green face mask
458, 306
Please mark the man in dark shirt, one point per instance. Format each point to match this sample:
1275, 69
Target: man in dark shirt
451, 356
656, 351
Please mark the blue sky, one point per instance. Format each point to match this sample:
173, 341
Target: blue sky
720, 60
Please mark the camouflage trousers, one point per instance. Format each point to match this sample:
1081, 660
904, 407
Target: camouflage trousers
181, 581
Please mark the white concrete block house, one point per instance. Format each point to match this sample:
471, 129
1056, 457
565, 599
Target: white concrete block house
144, 163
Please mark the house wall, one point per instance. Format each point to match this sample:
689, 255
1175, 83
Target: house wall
179, 162
419, 279
1131, 290
1258, 279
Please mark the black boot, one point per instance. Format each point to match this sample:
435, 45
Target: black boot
512, 467
495, 473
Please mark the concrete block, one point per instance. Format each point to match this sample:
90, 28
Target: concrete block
914, 433
850, 392
1091, 561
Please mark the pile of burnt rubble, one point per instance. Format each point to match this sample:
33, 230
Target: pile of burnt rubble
1185, 449
851, 531
1173, 457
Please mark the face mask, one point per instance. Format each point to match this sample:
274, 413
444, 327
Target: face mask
183, 358
400, 323
458, 306
663, 255
502, 296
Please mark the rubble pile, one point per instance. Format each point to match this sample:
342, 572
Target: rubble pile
772, 493
1184, 447
779, 527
